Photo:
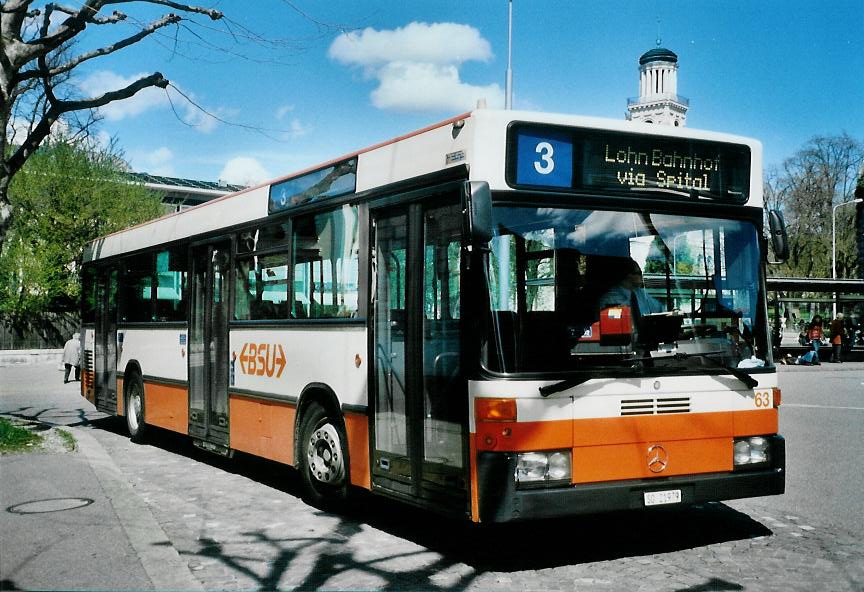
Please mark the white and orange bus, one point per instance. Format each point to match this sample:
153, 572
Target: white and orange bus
504, 316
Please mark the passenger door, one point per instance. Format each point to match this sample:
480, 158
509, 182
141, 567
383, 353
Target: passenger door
105, 345
208, 342
419, 391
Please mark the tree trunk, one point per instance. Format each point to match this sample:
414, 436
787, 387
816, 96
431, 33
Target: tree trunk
5, 206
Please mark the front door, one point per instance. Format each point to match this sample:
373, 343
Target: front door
208, 342
420, 392
105, 345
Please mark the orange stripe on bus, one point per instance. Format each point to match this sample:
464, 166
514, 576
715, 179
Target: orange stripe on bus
357, 428
266, 429
756, 423
263, 428
630, 461
475, 494
165, 406
121, 397
549, 435
88, 385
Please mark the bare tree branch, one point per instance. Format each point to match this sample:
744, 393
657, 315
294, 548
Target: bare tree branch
166, 20
57, 108
88, 11
213, 14
116, 17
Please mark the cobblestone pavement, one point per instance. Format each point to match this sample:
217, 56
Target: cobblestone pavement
241, 525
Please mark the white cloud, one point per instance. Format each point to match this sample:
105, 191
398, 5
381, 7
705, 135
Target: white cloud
408, 86
438, 43
244, 170
417, 66
159, 162
296, 128
284, 110
201, 121
18, 129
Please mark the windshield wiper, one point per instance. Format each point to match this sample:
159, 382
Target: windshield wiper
740, 375
568, 383
565, 384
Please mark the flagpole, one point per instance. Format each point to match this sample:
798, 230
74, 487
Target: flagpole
508, 90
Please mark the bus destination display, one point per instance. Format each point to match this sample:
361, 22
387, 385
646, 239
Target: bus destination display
616, 162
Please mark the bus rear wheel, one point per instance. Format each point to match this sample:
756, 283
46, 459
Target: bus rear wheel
134, 406
323, 459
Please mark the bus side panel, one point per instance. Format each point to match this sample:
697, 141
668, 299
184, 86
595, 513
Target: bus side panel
165, 406
263, 428
281, 363
159, 351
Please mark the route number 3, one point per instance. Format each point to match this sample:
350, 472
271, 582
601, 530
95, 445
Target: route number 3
545, 165
762, 399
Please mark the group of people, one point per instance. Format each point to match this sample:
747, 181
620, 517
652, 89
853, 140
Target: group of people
814, 333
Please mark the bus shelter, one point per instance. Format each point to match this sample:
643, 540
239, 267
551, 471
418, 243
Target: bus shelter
794, 301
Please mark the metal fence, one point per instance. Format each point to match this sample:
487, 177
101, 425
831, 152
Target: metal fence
64, 326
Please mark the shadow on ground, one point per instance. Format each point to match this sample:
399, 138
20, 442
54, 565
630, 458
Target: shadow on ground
499, 548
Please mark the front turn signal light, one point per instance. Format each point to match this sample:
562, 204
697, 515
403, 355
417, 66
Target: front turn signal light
495, 409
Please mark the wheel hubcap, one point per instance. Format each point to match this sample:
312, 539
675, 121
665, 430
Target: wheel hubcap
134, 413
325, 455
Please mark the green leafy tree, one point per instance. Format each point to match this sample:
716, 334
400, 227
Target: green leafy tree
66, 195
821, 175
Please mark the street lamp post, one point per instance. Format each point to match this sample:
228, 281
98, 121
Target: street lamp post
834, 248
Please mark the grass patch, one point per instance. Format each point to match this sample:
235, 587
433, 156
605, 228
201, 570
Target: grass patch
14, 438
68, 440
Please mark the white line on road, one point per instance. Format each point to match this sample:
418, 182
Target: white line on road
822, 406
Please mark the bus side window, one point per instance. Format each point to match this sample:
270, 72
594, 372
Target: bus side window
326, 265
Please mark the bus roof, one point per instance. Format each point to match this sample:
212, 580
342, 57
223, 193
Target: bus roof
477, 140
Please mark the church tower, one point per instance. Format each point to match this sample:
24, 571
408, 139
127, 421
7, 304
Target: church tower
658, 100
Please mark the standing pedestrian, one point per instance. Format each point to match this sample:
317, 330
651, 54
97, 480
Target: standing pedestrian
815, 333
72, 357
838, 334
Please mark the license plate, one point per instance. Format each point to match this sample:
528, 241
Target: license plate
658, 498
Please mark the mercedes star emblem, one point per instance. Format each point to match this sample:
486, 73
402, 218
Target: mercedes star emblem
658, 458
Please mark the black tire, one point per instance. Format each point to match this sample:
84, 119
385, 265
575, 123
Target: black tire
134, 408
322, 459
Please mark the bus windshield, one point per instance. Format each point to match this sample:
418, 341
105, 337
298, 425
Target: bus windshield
586, 289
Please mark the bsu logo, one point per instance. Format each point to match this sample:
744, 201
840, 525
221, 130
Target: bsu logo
261, 359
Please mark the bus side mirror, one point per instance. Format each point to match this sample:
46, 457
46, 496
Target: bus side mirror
779, 238
478, 212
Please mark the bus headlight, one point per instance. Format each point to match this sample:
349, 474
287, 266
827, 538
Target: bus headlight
755, 450
546, 467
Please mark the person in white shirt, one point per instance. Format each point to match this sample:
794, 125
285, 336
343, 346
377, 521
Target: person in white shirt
72, 357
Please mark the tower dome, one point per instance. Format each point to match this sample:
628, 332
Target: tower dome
658, 54
658, 100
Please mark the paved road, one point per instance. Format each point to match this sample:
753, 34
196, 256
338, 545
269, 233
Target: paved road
240, 524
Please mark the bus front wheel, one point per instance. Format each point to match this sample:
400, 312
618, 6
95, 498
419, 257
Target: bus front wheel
323, 459
135, 409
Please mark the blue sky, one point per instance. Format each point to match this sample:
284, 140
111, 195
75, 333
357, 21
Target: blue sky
779, 71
